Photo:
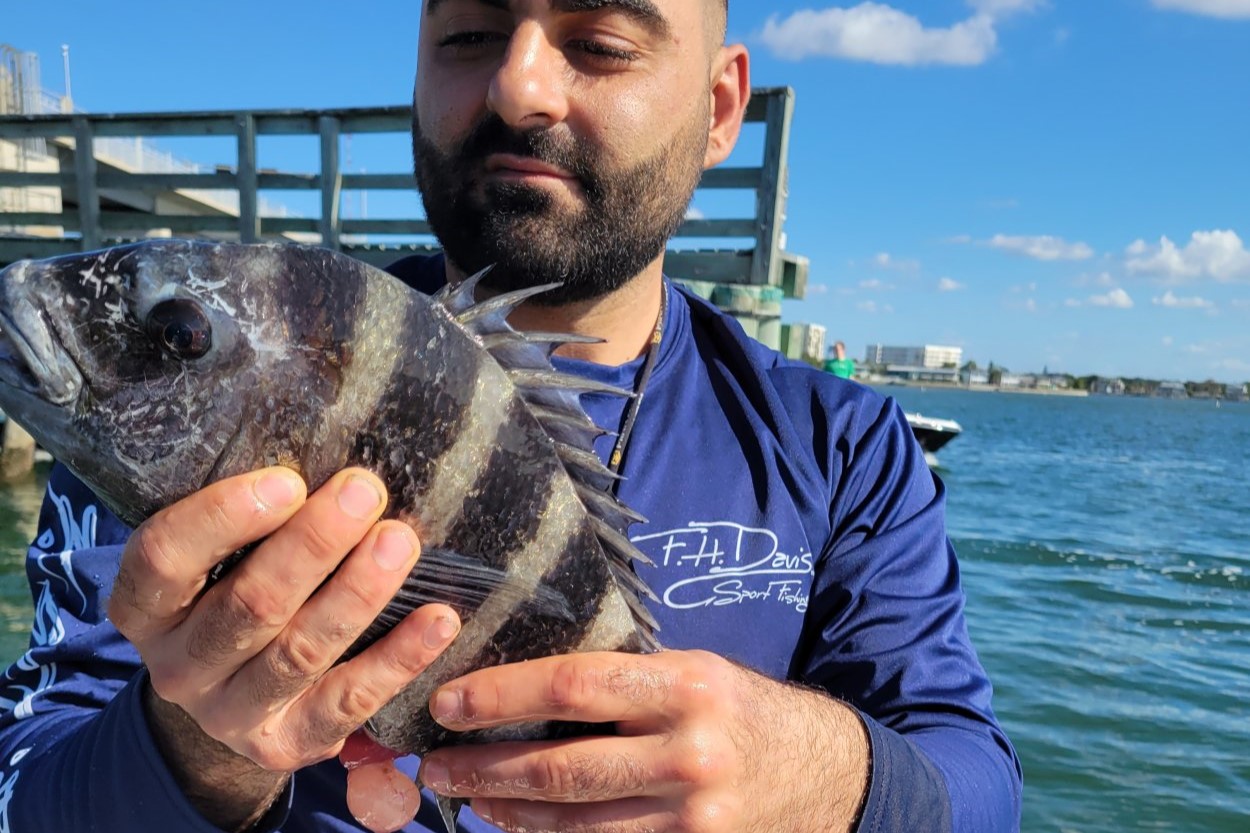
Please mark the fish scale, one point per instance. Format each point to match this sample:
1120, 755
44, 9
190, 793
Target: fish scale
318, 362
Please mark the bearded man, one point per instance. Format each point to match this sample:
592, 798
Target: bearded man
817, 674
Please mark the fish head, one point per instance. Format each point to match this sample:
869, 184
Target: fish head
135, 366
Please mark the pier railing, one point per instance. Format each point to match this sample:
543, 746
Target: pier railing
104, 200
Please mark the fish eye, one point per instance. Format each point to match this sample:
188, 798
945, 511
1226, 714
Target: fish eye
180, 328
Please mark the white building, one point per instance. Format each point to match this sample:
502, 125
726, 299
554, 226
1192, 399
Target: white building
804, 341
933, 356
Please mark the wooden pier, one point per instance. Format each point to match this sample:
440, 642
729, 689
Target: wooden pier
67, 186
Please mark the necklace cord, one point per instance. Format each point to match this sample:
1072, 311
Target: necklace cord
640, 388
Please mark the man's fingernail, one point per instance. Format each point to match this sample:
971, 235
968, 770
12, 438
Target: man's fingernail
441, 631
359, 498
393, 549
446, 706
278, 489
435, 776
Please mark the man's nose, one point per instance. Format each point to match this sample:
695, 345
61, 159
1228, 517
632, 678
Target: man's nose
528, 88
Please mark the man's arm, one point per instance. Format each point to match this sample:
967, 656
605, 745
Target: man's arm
242, 690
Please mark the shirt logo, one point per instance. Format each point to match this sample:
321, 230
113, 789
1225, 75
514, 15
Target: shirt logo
717, 563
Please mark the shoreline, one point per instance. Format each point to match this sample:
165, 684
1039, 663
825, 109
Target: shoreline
896, 383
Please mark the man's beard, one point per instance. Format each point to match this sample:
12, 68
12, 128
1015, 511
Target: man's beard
527, 236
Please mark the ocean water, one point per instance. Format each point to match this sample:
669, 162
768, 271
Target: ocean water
1105, 549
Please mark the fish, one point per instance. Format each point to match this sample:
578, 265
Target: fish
155, 368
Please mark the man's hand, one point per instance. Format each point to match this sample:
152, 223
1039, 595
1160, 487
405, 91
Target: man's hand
700, 745
244, 689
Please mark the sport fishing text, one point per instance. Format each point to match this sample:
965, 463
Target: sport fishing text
726, 563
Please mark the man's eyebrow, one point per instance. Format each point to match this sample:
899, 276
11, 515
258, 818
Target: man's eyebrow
641, 11
644, 12
432, 5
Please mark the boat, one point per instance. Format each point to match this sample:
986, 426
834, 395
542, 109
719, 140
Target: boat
933, 433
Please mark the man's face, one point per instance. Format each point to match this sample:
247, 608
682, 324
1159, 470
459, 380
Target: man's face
560, 140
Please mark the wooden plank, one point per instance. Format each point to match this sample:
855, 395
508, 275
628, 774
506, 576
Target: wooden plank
27, 179
158, 183
18, 127
68, 218
288, 182
732, 178
770, 201
249, 217
731, 266
331, 182
165, 125
379, 182
386, 227
718, 228
85, 170
34, 248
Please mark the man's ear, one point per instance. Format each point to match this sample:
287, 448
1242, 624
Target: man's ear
731, 90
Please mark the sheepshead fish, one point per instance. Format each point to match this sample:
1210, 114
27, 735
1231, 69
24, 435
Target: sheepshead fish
153, 369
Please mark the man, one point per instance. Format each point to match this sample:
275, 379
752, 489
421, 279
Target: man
796, 531
838, 364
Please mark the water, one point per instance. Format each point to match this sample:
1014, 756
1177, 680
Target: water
1105, 546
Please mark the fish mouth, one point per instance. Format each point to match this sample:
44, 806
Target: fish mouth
32, 362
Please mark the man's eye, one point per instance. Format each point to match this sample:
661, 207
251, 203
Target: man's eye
605, 53
471, 40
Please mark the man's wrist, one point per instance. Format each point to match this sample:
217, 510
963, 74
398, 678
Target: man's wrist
230, 791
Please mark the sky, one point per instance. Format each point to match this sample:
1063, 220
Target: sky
1049, 184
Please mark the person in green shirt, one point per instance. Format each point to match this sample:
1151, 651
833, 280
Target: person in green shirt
838, 364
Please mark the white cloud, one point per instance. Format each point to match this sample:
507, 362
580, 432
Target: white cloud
1041, 247
817, 289
950, 285
1241, 303
1171, 301
1071, 302
1228, 9
693, 213
1218, 254
876, 285
960, 239
1116, 299
885, 260
880, 34
1168, 341
1103, 280
872, 308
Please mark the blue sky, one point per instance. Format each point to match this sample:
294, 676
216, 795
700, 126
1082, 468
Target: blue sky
1047, 183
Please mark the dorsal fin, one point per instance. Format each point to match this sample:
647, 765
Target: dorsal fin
552, 398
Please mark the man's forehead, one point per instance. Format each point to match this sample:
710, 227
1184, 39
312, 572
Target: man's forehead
644, 11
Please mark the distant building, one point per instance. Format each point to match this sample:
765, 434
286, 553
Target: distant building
916, 373
1011, 380
1172, 390
1053, 381
804, 342
1235, 393
1106, 387
974, 377
928, 356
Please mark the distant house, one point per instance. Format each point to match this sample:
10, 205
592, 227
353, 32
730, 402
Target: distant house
974, 377
1171, 390
1106, 387
1011, 380
916, 373
1235, 393
1053, 381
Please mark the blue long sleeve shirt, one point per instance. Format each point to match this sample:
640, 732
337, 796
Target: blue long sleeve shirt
794, 526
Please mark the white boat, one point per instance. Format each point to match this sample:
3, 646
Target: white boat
933, 433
